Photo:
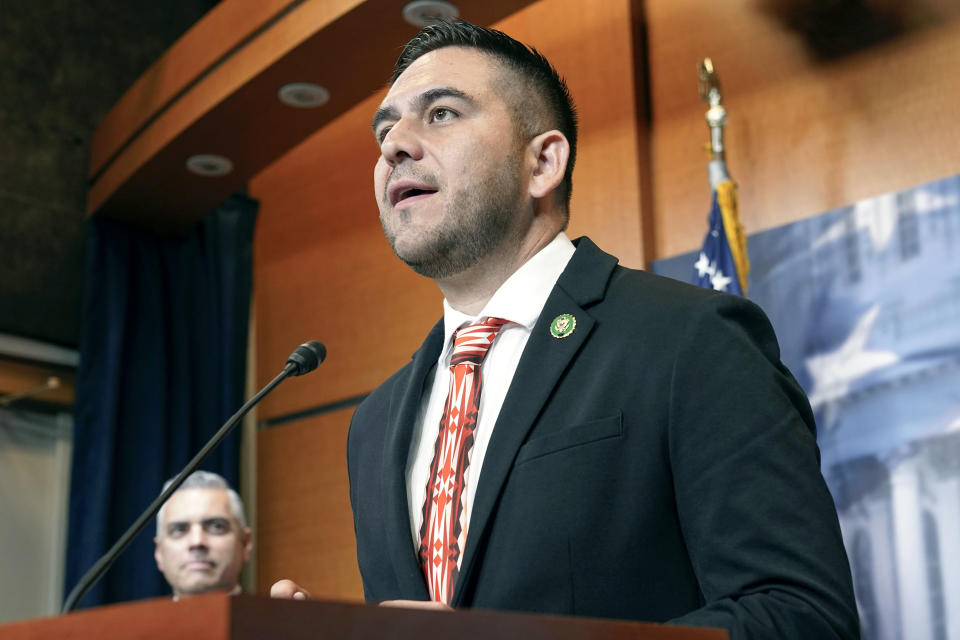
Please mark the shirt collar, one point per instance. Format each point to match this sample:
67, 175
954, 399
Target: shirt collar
522, 296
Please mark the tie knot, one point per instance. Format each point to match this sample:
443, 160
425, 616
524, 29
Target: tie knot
471, 343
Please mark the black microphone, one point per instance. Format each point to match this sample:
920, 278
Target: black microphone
304, 359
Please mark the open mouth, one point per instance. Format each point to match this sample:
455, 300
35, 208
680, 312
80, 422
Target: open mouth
413, 193
408, 191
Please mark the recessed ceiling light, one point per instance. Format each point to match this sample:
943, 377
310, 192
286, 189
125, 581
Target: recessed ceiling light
420, 13
303, 95
209, 165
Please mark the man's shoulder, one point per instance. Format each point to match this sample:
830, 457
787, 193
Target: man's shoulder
661, 292
627, 301
593, 261
628, 286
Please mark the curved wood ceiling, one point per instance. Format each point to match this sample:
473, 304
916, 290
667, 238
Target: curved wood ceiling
215, 92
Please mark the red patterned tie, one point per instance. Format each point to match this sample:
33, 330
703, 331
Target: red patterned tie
443, 534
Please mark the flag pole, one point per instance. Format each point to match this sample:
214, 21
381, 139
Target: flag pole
722, 185
716, 119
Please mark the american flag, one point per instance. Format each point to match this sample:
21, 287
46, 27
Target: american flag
722, 262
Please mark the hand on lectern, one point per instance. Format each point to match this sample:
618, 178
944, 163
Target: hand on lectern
288, 589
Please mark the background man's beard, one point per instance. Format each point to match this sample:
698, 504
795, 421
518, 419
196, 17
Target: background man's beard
474, 225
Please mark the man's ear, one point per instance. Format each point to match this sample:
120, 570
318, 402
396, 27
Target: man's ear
247, 540
156, 554
550, 151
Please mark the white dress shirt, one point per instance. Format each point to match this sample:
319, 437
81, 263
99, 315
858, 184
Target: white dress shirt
520, 300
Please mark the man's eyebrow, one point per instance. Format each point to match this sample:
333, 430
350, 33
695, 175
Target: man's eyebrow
383, 113
432, 95
421, 102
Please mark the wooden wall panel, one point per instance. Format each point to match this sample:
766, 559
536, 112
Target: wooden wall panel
804, 136
305, 526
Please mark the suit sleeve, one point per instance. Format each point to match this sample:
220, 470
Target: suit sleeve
757, 518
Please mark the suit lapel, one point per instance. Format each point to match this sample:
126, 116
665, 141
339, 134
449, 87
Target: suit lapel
404, 409
544, 360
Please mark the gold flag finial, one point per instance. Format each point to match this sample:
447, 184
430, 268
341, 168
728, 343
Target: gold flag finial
716, 115
709, 82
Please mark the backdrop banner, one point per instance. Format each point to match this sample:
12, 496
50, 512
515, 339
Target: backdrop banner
866, 303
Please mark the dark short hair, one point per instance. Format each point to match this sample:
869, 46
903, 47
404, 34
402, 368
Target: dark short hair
539, 75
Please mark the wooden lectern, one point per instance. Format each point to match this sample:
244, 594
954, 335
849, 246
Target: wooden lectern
223, 617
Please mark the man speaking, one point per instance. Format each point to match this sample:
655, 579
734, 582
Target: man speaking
572, 437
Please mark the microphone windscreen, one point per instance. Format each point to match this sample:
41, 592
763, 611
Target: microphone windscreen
307, 357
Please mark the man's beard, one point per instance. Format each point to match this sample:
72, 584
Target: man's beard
475, 222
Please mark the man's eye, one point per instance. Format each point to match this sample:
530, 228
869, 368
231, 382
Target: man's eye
441, 114
217, 526
176, 530
383, 134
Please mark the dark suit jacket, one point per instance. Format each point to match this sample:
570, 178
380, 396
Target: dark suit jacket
658, 464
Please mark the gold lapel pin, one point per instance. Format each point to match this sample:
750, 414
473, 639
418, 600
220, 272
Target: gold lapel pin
563, 325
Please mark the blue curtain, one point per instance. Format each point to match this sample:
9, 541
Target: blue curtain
162, 365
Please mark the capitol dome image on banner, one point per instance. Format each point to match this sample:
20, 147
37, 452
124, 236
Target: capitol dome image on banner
865, 301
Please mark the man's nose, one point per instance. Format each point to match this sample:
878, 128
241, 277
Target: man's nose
402, 142
197, 537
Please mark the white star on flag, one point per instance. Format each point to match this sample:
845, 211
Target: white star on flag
703, 265
720, 281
